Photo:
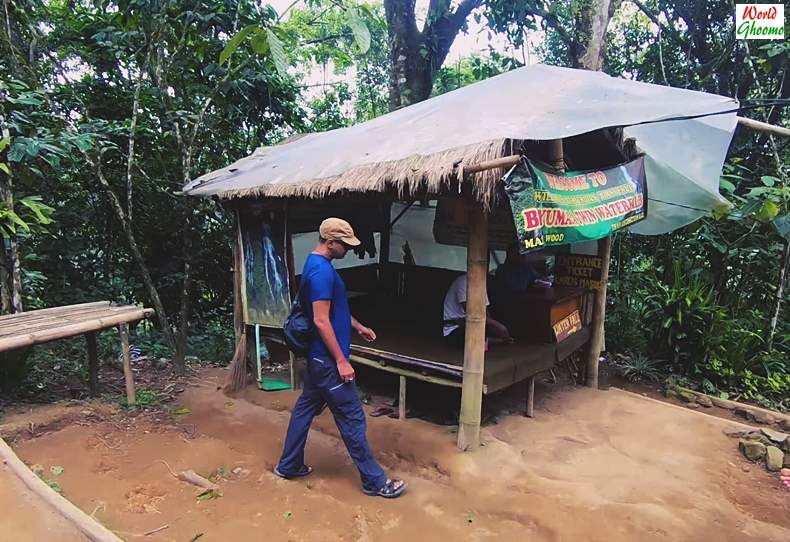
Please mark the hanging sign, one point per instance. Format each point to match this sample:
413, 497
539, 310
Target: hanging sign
574, 207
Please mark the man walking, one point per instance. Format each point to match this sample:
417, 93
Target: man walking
329, 379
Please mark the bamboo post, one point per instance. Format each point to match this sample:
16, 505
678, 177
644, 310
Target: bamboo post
123, 330
474, 354
238, 258
93, 364
402, 398
530, 410
599, 315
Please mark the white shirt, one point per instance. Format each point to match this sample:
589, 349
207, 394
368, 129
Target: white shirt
454, 304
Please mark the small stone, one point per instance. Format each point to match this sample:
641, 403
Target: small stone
753, 450
745, 468
759, 437
775, 436
785, 446
671, 394
705, 401
687, 396
762, 417
742, 412
721, 403
773, 459
734, 432
692, 406
784, 424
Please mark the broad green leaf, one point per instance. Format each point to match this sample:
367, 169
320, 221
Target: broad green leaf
767, 212
277, 52
769, 180
11, 220
260, 43
359, 29
758, 191
726, 185
4, 143
40, 210
235, 41
209, 494
4, 167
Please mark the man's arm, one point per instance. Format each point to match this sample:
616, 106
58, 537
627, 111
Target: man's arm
497, 328
365, 332
327, 334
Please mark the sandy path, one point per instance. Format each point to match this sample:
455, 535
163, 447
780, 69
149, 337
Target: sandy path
598, 466
26, 518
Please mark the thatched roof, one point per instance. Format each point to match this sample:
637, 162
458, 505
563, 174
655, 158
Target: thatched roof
419, 147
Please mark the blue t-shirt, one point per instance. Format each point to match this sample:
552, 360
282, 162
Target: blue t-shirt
324, 283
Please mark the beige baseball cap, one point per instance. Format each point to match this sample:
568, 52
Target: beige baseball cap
337, 229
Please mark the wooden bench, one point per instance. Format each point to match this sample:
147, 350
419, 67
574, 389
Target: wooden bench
40, 326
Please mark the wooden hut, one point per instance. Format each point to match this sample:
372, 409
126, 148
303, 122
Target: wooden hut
451, 152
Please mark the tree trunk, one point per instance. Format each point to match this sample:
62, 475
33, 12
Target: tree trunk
11, 273
416, 56
591, 26
179, 357
410, 76
164, 322
779, 294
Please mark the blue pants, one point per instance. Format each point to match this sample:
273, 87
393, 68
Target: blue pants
323, 386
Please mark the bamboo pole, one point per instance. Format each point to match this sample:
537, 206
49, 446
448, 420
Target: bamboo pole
474, 343
402, 398
238, 314
123, 330
763, 127
599, 315
93, 364
505, 161
91, 528
25, 325
78, 328
55, 310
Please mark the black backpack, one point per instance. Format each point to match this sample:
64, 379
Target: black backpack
298, 327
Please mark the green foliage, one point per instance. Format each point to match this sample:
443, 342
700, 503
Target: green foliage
639, 367
143, 398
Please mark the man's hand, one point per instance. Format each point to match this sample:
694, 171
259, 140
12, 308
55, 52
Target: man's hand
366, 333
345, 369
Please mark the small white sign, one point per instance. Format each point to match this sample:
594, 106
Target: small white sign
760, 21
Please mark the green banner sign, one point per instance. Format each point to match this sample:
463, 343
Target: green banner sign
574, 207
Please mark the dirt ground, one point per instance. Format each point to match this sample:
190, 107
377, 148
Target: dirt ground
26, 516
599, 466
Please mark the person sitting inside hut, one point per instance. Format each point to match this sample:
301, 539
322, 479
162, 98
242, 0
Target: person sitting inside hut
516, 275
454, 328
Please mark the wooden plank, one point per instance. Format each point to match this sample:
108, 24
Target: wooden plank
474, 342
402, 398
93, 364
54, 309
12, 327
24, 318
70, 330
375, 353
123, 331
405, 372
